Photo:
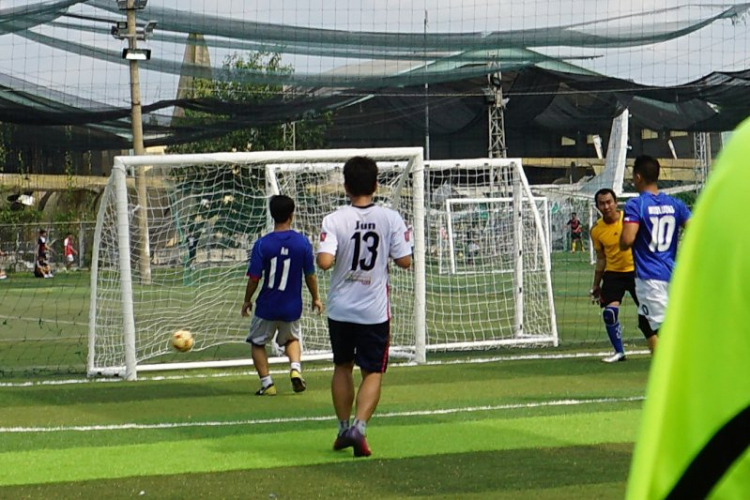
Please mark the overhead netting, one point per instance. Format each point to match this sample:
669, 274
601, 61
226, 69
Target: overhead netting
60, 64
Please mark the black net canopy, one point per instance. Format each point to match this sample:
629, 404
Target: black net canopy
230, 65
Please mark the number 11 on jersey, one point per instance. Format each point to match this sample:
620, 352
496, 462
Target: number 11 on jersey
284, 273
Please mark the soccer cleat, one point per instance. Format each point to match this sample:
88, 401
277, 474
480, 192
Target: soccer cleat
298, 383
618, 356
342, 441
266, 391
359, 443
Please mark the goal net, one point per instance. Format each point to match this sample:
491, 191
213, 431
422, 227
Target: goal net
488, 273
182, 267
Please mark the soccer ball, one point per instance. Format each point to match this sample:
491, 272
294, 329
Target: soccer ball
182, 340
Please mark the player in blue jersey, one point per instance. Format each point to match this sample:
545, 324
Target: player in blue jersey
650, 227
281, 258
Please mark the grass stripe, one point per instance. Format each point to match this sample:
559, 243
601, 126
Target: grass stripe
289, 420
563, 473
274, 449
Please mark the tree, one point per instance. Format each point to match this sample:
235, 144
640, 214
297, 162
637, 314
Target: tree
309, 132
226, 206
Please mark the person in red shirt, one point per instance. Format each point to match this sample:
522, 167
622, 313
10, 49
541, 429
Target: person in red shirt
68, 251
576, 233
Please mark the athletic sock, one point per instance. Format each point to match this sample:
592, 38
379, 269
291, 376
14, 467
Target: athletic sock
297, 366
266, 381
343, 426
614, 329
361, 426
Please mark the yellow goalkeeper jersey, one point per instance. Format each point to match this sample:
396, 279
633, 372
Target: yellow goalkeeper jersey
606, 238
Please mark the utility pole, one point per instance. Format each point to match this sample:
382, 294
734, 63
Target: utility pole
426, 97
133, 55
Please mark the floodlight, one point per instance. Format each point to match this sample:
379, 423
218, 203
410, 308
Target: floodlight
137, 4
119, 30
136, 54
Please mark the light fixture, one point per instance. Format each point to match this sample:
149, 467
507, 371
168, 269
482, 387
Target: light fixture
136, 54
119, 30
137, 4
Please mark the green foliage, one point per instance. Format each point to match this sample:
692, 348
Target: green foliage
688, 198
8, 215
309, 133
228, 219
218, 204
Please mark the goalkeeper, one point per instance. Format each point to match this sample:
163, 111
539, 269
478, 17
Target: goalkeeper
614, 273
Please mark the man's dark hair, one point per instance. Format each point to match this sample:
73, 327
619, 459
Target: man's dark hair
647, 167
602, 192
574, 214
360, 175
42, 231
282, 207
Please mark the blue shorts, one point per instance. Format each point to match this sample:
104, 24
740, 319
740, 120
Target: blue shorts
366, 345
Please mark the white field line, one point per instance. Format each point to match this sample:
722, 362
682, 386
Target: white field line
152, 378
289, 420
45, 320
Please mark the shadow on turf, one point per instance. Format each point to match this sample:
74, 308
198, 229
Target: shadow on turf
450, 476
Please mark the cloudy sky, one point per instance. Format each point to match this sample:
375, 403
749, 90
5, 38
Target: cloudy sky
723, 45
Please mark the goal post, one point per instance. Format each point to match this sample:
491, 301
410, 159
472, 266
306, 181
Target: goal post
222, 199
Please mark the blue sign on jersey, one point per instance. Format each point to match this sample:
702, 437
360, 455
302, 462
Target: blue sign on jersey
660, 218
280, 258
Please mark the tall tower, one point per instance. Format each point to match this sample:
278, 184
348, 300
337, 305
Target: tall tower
196, 52
495, 116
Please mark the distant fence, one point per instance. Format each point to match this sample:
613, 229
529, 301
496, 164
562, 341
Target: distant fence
19, 243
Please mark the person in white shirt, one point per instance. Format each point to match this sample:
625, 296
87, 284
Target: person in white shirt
356, 241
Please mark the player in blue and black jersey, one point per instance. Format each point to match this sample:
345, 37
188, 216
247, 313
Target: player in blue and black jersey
650, 227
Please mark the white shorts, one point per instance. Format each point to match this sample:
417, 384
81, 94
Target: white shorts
263, 330
69, 258
652, 298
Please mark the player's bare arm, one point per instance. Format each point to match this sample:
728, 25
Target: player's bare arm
601, 263
312, 285
247, 306
403, 262
325, 261
627, 238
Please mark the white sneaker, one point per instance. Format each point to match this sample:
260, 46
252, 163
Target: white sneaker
48, 276
4, 277
618, 356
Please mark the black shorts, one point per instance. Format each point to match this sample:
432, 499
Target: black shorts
366, 345
615, 285
575, 236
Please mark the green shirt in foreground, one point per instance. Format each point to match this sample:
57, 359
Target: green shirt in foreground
695, 431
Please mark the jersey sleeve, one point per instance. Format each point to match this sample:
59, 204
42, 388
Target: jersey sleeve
328, 242
308, 265
632, 214
684, 213
255, 269
400, 237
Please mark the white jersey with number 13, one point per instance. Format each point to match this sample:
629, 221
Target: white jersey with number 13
362, 239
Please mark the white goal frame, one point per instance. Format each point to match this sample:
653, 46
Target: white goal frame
518, 191
119, 184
